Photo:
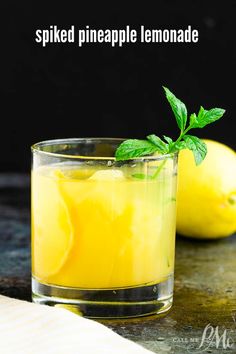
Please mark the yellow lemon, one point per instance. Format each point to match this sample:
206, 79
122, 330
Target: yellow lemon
206, 201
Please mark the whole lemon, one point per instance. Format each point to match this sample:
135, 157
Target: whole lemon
206, 200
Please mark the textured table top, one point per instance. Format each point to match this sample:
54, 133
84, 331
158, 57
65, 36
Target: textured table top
205, 283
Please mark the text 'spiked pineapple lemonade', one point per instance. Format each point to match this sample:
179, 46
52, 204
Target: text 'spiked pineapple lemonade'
103, 219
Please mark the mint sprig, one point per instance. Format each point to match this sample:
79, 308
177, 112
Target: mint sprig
133, 148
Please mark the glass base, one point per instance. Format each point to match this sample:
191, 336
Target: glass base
107, 303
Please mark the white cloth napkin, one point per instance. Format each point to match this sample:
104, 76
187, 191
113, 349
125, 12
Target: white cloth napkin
27, 328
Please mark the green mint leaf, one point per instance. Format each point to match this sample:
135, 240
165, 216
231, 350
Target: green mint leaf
205, 117
179, 109
133, 148
141, 176
170, 143
201, 113
197, 146
180, 145
212, 115
192, 119
169, 140
161, 145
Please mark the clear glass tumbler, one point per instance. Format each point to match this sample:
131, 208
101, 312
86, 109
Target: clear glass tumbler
103, 232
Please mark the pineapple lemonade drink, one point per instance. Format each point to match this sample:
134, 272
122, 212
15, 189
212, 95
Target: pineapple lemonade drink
103, 219
99, 230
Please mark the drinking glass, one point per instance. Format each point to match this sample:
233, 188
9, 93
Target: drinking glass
103, 231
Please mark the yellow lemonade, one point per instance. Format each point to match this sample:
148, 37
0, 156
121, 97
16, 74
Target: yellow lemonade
101, 228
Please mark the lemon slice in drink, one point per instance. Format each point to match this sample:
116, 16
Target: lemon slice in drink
52, 232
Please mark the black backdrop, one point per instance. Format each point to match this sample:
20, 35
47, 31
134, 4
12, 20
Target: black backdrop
67, 91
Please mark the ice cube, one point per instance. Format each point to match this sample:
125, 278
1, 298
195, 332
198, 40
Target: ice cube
107, 175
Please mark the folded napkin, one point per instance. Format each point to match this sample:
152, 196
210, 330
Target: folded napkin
27, 328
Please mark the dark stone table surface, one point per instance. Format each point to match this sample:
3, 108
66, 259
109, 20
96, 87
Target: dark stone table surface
205, 283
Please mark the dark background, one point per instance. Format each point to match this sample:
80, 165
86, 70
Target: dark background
66, 91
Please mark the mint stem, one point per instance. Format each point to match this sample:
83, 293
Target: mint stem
158, 170
179, 138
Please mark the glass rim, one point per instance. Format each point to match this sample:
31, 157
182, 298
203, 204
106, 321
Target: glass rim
36, 147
